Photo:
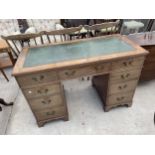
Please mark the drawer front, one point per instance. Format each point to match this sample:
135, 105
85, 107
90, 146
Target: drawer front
127, 64
35, 79
125, 76
84, 71
120, 98
101, 68
51, 113
46, 102
122, 87
42, 90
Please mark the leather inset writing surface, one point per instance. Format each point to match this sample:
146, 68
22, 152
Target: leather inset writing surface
72, 51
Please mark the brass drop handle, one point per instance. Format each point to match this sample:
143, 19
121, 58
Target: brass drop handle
127, 63
128, 74
50, 113
70, 73
41, 77
125, 76
130, 62
120, 98
46, 90
47, 101
122, 76
43, 102
39, 91
36, 79
123, 87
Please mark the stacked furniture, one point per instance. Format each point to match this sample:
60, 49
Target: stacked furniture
147, 41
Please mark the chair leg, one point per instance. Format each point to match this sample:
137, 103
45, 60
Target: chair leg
4, 75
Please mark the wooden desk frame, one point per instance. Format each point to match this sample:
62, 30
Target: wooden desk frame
118, 73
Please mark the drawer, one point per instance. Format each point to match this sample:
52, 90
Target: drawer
84, 71
127, 64
120, 98
125, 76
46, 102
42, 90
50, 113
122, 87
35, 79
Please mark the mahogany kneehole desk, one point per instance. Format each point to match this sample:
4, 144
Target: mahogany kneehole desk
114, 61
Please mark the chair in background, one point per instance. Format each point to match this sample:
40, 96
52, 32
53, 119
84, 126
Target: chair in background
62, 35
17, 42
3, 73
103, 29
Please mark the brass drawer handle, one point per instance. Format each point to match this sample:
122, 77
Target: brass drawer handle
120, 98
47, 101
46, 90
123, 87
43, 102
127, 63
41, 91
41, 77
125, 76
70, 73
50, 113
130, 62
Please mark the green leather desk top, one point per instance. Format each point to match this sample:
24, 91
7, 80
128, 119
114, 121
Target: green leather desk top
75, 50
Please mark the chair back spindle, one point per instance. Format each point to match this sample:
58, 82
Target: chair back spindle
103, 29
63, 34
